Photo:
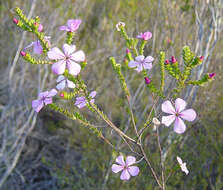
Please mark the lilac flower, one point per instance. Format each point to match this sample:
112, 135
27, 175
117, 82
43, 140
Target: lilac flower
126, 167
43, 99
141, 63
68, 58
145, 36
37, 48
177, 115
72, 25
120, 24
82, 101
182, 165
63, 82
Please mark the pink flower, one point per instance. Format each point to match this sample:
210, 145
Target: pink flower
40, 28
68, 58
72, 25
82, 101
126, 167
43, 99
64, 82
119, 25
177, 115
141, 63
182, 165
37, 47
145, 36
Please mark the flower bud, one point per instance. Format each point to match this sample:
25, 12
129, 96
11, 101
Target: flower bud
167, 62
173, 59
15, 21
156, 121
119, 25
62, 95
22, 53
147, 80
211, 75
201, 58
127, 51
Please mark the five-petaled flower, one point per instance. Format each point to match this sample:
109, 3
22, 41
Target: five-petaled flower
72, 25
68, 58
182, 165
145, 36
82, 101
37, 47
43, 99
64, 82
120, 24
177, 114
126, 167
141, 63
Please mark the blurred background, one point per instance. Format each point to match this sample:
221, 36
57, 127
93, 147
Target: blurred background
51, 152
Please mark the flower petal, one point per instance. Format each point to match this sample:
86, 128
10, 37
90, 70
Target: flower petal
60, 78
37, 48
188, 115
61, 85
132, 64
52, 93
70, 84
73, 24
140, 58
55, 54
48, 101
59, 67
139, 68
64, 28
133, 170
78, 56
130, 160
68, 49
149, 59
168, 120
184, 168
179, 160
81, 105
180, 104
43, 94
37, 105
125, 175
120, 160
147, 66
179, 126
93, 94
167, 107
116, 168
73, 68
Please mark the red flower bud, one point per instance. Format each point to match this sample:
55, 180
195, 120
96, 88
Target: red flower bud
147, 80
211, 75
15, 21
201, 58
167, 62
127, 51
173, 59
22, 53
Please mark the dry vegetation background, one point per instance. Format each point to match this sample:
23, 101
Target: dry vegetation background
50, 152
